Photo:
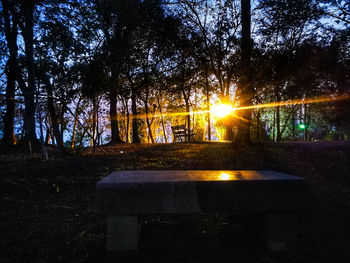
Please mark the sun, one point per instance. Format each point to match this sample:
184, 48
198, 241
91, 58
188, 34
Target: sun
221, 110
224, 176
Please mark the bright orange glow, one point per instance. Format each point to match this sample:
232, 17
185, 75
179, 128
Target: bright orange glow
224, 176
221, 110
220, 133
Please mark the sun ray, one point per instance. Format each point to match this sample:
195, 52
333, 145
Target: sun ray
221, 109
295, 101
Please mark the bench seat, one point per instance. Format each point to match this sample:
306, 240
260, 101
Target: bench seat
125, 195
180, 132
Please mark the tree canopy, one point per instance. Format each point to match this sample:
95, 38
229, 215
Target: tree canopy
78, 73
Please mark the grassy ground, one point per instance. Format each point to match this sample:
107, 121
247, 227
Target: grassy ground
47, 211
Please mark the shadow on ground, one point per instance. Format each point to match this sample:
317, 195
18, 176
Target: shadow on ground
47, 211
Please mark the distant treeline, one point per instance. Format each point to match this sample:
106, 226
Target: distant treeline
77, 72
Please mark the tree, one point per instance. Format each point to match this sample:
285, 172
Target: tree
27, 9
116, 23
216, 23
55, 47
10, 18
150, 45
283, 27
245, 90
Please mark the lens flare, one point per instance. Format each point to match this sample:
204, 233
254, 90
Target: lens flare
296, 101
224, 176
221, 110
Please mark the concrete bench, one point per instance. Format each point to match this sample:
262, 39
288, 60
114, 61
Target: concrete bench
124, 196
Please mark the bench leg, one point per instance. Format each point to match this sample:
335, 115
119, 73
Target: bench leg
281, 231
123, 233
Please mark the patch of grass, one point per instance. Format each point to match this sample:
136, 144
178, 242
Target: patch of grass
47, 211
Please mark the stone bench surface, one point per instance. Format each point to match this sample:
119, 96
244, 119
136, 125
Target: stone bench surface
130, 177
184, 191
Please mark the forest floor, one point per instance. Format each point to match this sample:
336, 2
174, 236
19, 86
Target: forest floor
47, 211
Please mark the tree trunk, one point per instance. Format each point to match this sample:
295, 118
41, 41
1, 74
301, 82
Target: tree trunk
278, 124
228, 122
9, 138
48, 132
115, 82
127, 120
135, 130
76, 116
91, 127
306, 132
52, 111
208, 101
64, 108
29, 118
41, 126
94, 123
188, 116
115, 138
244, 85
285, 124
162, 120
98, 133
278, 115
147, 119
293, 123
